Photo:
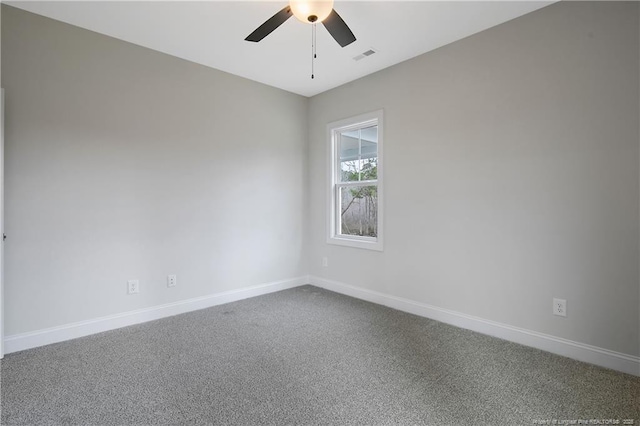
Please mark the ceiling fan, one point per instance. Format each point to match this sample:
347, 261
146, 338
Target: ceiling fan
310, 12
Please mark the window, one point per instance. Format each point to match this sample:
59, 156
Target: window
355, 190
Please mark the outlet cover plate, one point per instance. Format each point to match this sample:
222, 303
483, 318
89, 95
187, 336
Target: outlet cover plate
560, 307
172, 280
133, 287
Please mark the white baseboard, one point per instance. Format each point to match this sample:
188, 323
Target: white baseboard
19, 342
582, 352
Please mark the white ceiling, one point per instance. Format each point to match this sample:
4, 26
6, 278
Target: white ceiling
212, 33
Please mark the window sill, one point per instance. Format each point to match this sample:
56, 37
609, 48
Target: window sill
356, 243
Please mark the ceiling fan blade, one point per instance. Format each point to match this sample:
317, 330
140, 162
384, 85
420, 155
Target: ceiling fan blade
270, 24
338, 29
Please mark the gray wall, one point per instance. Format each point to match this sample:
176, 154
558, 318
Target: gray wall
1, 208
126, 163
511, 175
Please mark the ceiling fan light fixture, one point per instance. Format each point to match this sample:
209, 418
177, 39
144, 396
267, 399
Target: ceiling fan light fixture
311, 11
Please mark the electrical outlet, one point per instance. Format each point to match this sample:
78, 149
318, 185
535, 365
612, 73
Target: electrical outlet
172, 280
133, 287
560, 307
325, 262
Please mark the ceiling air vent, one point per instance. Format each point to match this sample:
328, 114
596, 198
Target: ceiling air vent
364, 55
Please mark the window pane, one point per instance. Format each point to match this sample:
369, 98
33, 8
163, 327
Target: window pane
349, 151
358, 210
349, 146
350, 170
369, 169
369, 142
358, 153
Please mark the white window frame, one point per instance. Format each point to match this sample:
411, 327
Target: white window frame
333, 129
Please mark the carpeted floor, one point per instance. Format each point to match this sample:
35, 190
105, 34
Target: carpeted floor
304, 356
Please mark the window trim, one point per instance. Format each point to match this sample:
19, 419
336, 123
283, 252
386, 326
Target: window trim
359, 121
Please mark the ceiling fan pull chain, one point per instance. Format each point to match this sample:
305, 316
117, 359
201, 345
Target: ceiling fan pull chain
313, 49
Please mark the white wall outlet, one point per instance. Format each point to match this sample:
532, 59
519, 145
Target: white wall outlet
172, 280
325, 262
133, 287
560, 307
